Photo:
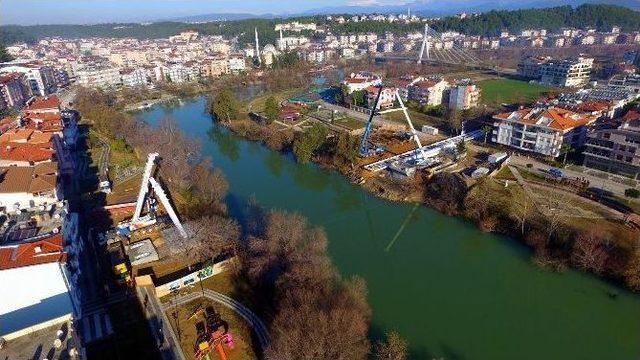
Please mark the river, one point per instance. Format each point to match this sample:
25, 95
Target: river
450, 290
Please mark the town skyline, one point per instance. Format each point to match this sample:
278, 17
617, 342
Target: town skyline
45, 12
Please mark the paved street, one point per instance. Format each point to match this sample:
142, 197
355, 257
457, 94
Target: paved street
615, 187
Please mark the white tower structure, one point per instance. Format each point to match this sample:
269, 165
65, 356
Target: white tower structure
426, 45
258, 47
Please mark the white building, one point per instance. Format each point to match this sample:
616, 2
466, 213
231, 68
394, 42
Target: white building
99, 77
540, 130
237, 64
41, 79
361, 81
567, 72
42, 276
134, 77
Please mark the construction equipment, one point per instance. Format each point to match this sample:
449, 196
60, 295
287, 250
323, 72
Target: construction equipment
365, 150
212, 335
148, 189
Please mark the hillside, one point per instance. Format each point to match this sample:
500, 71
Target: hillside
602, 17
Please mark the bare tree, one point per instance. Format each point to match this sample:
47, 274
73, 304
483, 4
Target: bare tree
394, 347
522, 209
589, 250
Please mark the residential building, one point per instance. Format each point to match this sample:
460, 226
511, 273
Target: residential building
13, 90
428, 91
387, 97
40, 267
237, 63
99, 77
615, 150
541, 130
530, 67
361, 81
26, 187
566, 73
133, 77
464, 96
40, 79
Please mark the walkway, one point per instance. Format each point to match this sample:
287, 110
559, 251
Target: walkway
254, 321
161, 329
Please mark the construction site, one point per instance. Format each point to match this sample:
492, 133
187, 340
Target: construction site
183, 298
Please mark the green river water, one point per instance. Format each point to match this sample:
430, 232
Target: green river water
450, 290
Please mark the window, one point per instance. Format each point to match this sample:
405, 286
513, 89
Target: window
629, 159
622, 148
619, 157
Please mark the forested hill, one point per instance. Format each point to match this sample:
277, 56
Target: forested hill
602, 17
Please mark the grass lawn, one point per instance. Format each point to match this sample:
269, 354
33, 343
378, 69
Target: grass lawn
257, 104
418, 119
497, 91
349, 123
505, 174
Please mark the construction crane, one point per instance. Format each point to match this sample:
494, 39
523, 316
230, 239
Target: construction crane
149, 190
365, 150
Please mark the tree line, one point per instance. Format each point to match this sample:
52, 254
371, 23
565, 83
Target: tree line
556, 241
491, 23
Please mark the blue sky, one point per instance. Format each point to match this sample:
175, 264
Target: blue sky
27, 12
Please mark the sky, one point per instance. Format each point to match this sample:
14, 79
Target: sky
28, 12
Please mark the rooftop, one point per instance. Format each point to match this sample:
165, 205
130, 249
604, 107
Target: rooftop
553, 117
16, 179
44, 103
47, 250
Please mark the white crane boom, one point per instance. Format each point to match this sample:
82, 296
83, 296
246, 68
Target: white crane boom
159, 192
414, 133
144, 187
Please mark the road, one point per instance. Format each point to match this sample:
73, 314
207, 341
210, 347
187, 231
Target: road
252, 319
595, 182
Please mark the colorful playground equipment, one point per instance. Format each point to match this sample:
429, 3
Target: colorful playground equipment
213, 333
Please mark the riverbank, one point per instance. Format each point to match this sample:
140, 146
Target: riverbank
474, 294
557, 241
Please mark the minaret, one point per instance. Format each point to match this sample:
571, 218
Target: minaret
409, 12
258, 47
281, 42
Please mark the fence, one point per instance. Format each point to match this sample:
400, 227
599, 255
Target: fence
192, 278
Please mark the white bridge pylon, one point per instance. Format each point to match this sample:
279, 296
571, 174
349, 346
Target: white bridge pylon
437, 48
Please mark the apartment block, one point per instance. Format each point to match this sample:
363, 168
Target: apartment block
541, 130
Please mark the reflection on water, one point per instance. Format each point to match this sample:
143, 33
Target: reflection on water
226, 142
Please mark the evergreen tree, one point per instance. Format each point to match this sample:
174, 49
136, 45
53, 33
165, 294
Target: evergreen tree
225, 106
271, 109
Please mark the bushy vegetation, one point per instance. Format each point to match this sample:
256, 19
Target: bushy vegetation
557, 242
289, 268
4, 56
224, 106
307, 143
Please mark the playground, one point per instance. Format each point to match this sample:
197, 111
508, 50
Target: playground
206, 330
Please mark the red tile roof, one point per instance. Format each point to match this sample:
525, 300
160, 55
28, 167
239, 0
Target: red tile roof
43, 251
26, 152
44, 103
555, 118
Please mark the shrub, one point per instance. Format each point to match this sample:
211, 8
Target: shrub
632, 193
